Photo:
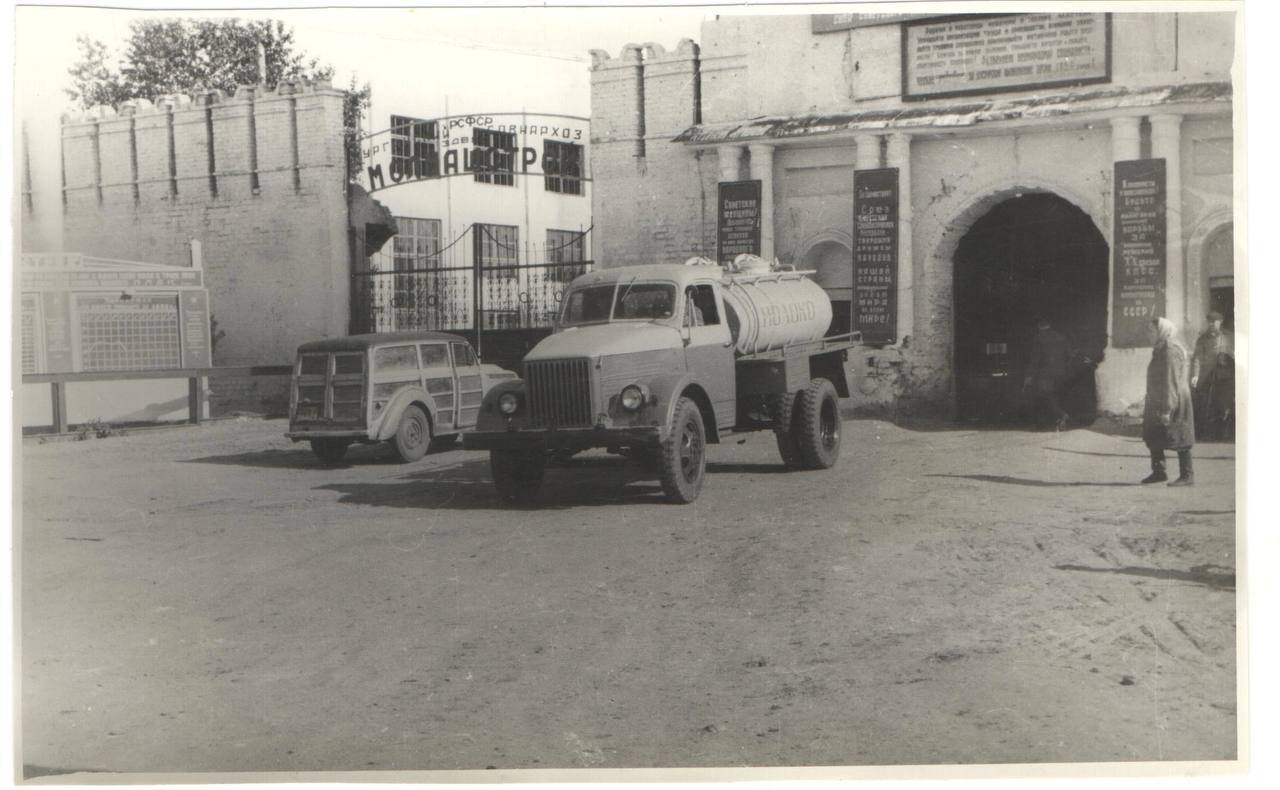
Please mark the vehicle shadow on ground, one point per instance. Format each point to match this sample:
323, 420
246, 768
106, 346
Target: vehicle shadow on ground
1139, 455
1221, 579
302, 458
1024, 481
467, 485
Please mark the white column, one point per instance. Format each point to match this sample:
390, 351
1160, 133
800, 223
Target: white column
1126, 142
762, 170
867, 151
730, 157
899, 156
1166, 143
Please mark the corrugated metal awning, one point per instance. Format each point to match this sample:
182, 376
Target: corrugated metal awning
966, 114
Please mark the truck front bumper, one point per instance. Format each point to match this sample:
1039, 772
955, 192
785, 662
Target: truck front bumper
561, 439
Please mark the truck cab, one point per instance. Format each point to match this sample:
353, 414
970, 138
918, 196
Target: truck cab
645, 360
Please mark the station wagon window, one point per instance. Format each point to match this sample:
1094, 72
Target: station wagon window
396, 358
314, 364
348, 363
463, 356
435, 355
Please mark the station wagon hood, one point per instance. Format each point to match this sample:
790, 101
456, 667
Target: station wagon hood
600, 340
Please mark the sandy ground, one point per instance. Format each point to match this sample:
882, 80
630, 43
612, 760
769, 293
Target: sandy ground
210, 599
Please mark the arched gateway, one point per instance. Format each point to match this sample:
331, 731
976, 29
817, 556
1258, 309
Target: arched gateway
1031, 255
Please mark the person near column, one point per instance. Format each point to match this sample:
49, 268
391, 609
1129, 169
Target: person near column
1213, 378
1168, 422
1046, 373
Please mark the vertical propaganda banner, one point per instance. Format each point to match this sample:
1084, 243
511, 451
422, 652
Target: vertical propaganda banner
1138, 249
875, 254
737, 220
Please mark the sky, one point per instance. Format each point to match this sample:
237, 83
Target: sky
478, 60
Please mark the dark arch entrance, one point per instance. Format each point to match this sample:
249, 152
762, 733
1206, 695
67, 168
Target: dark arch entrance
1035, 255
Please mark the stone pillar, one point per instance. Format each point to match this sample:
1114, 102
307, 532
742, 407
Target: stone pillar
762, 170
730, 157
899, 156
1166, 143
1121, 376
867, 152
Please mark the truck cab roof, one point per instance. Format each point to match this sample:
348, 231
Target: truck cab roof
672, 272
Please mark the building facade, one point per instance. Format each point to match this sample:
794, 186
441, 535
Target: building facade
981, 154
493, 217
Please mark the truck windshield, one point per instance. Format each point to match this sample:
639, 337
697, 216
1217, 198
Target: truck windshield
633, 301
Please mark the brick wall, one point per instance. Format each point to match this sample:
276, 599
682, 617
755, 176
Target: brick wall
653, 200
258, 178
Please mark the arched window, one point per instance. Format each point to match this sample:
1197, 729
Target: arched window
1219, 269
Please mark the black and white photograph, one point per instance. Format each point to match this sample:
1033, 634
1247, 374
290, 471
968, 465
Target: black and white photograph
630, 392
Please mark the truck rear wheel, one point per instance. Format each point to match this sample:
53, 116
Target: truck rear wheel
517, 474
683, 460
819, 425
782, 412
330, 451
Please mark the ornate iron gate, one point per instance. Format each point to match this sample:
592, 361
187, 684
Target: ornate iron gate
485, 285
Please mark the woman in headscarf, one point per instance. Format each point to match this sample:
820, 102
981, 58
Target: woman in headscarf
1167, 420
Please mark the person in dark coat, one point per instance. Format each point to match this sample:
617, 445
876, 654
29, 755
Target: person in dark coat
1046, 373
1213, 379
1168, 421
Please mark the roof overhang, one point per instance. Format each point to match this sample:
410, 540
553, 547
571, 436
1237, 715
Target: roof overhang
1080, 106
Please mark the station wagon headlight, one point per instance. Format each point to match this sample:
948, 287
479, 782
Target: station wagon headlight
508, 403
633, 397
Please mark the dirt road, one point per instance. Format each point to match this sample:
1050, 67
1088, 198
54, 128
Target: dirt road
210, 599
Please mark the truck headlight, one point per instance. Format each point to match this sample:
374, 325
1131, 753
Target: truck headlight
633, 397
508, 403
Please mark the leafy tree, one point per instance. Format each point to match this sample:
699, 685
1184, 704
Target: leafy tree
165, 56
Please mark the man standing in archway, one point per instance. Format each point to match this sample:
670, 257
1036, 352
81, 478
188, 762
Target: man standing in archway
1213, 379
1046, 373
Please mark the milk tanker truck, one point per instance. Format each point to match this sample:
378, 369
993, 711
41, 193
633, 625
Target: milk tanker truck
658, 361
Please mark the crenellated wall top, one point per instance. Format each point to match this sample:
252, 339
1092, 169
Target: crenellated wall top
639, 54
198, 99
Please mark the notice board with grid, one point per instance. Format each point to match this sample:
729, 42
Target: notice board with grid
142, 333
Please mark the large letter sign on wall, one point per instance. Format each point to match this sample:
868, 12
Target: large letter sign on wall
875, 254
1138, 250
737, 220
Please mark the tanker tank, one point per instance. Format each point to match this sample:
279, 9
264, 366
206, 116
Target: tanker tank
772, 306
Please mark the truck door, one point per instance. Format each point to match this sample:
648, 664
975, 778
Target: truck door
709, 348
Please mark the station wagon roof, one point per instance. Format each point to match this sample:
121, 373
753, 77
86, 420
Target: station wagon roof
364, 342
676, 272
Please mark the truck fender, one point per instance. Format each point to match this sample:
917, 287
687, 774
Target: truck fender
666, 390
490, 418
395, 410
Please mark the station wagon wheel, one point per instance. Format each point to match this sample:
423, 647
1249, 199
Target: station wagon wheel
684, 456
818, 414
330, 451
413, 435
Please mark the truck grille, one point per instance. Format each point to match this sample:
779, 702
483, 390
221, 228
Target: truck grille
559, 393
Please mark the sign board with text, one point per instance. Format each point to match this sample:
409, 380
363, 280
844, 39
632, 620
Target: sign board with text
463, 145
962, 55
831, 23
1138, 249
737, 220
875, 254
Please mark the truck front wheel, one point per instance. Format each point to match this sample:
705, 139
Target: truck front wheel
683, 460
517, 474
818, 416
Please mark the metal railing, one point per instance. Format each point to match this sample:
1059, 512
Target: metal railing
58, 384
